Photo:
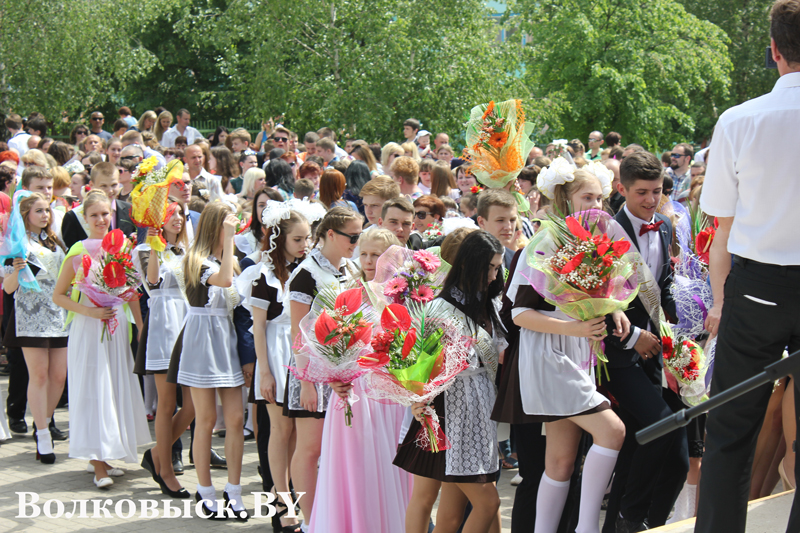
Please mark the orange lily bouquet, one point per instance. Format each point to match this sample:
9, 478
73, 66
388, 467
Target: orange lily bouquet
332, 337
111, 279
416, 357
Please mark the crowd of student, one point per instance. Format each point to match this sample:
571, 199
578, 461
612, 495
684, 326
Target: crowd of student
211, 337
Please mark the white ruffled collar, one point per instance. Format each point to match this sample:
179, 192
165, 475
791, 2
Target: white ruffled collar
325, 264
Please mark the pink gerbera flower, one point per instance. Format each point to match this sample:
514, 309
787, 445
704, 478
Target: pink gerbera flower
428, 261
395, 286
422, 294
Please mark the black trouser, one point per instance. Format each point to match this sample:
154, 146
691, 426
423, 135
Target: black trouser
531, 446
760, 318
17, 400
262, 443
657, 470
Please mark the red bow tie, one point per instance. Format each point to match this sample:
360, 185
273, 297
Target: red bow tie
650, 227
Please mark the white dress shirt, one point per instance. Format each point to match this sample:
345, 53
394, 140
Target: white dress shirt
168, 139
19, 142
752, 175
649, 247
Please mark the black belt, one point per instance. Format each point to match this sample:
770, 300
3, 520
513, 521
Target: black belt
749, 263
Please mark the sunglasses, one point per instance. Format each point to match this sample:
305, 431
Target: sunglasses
422, 215
81, 133
97, 118
353, 238
281, 139
128, 158
677, 156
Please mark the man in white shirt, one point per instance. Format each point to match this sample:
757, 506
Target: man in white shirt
18, 140
751, 186
201, 178
181, 128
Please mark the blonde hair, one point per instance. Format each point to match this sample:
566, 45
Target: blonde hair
411, 147
95, 196
206, 240
335, 219
383, 237
388, 150
35, 157
149, 114
157, 129
249, 180
61, 178
25, 206
563, 193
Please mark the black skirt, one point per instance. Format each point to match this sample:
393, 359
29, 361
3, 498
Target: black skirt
299, 413
10, 339
419, 462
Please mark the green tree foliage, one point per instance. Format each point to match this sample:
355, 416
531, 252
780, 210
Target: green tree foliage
66, 57
747, 24
364, 66
647, 70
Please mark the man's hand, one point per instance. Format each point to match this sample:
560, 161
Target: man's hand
648, 345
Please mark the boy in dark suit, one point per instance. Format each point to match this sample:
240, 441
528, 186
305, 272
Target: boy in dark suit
648, 478
105, 177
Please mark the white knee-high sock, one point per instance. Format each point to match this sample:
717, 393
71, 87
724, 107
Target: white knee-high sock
550, 500
597, 470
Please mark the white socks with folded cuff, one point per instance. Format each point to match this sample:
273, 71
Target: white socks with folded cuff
44, 441
235, 495
210, 495
597, 470
550, 500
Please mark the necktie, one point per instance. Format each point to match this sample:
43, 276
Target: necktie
650, 227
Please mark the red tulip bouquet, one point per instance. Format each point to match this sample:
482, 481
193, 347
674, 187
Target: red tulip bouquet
110, 279
416, 357
332, 337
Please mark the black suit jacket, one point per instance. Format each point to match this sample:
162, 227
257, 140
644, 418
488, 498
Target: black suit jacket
72, 231
618, 356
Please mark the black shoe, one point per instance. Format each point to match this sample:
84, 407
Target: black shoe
177, 463
217, 461
248, 434
241, 516
56, 433
147, 464
207, 513
18, 426
181, 493
629, 526
47, 458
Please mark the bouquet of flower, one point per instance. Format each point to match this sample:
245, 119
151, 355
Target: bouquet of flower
434, 231
14, 243
111, 279
332, 337
149, 197
581, 271
691, 289
686, 367
402, 274
416, 357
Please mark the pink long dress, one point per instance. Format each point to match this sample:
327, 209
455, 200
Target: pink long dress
359, 490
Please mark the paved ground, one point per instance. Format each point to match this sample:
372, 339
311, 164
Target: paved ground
67, 480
